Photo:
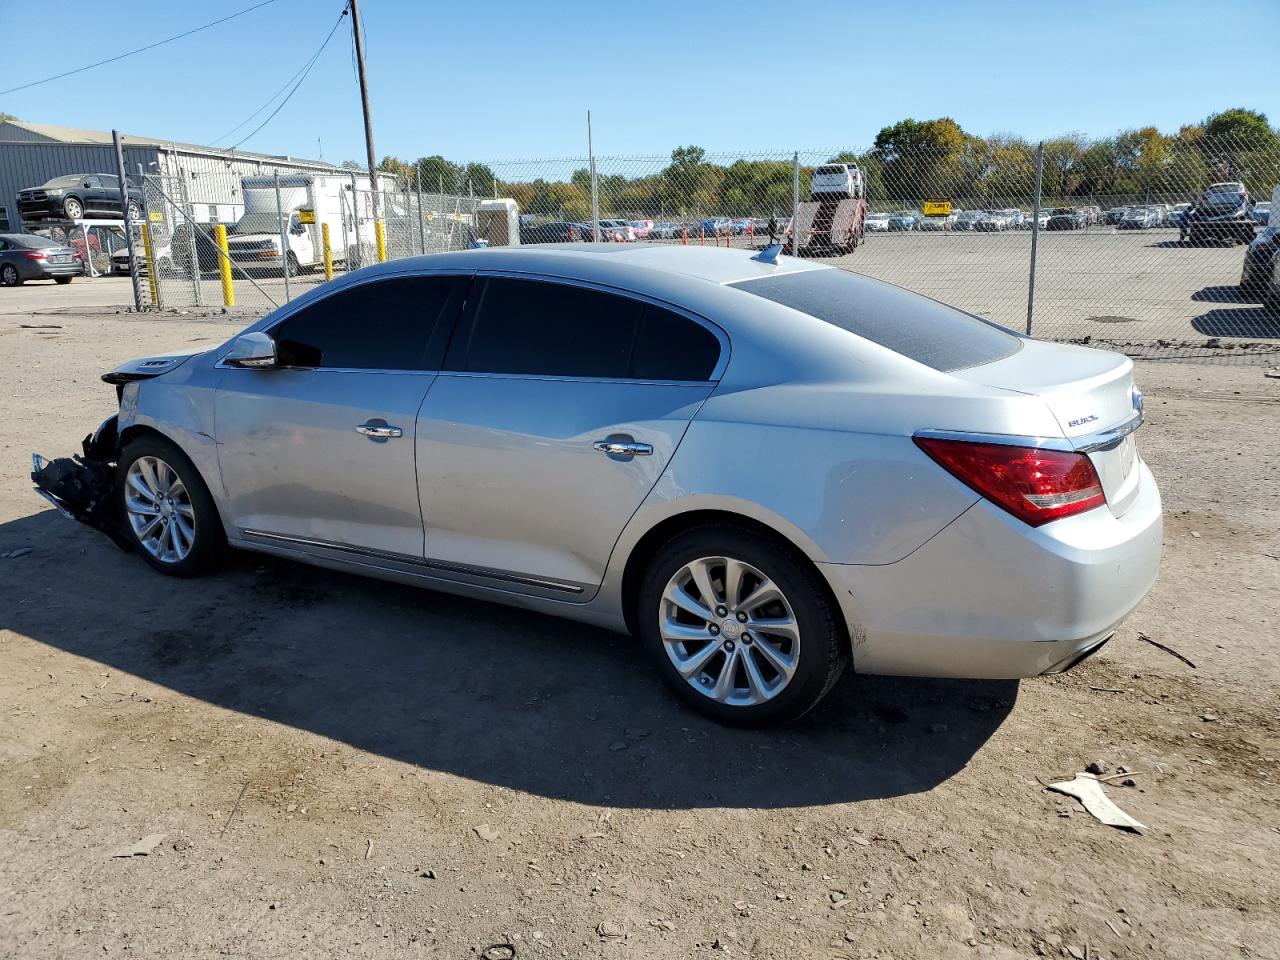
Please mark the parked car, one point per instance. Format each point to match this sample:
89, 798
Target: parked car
1178, 214
992, 221
1014, 217
557, 231
876, 222
1223, 213
665, 231
555, 439
1162, 211
716, 226
1116, 214
24, 256
1261, 261
79, 196
1065, 218
618, 230
641, 228
161, 250
1092, 215
903, 220
744, 226
936, 223
1139, 218
967, 219
208, 256
1262, 212
1029, 220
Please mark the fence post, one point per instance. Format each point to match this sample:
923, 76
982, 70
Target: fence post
284, 239
355, 226
795, 204
189, 214
128, 225
224, 266
151, 265
328, 251
595, 187
1035, 235
422, 220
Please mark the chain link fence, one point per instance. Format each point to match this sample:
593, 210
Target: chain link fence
1137, 242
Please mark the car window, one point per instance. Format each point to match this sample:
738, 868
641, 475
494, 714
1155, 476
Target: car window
924, 330
546, 329
32, 242
92, 182
672, 347
400, 323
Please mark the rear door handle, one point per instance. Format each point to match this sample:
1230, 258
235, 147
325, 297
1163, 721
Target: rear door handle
379, 430
623, 447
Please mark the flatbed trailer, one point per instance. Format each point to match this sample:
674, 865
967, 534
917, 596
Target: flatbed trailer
827, 226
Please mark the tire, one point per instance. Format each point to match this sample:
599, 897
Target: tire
135, 211
156, 463
804, 662
62, 280
73, 208
9, 276
291, 265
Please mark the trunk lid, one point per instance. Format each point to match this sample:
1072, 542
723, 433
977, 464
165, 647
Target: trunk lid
1088, 392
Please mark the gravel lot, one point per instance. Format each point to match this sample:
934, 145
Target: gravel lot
341, 767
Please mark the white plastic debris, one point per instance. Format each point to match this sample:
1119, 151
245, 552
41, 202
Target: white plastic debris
1089, 792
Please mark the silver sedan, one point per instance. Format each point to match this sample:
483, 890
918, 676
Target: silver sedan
765, 469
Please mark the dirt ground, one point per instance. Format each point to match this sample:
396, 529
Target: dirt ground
347, 768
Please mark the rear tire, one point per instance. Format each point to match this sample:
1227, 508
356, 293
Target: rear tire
744, 663
9, 276
167, 512
135, 211
62, 280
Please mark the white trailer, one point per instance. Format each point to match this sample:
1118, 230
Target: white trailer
254, 241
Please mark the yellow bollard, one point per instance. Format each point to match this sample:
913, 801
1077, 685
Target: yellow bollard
224, 265
328, 251
380, 232
151, 264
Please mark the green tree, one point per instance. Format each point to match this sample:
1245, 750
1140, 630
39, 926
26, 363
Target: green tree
922, 159
1239, 124
6, 116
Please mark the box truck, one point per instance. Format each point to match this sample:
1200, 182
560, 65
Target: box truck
305, 202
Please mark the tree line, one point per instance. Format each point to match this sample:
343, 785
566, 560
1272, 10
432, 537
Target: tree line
909, 162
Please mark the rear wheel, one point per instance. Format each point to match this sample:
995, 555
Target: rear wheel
62, 279
9, 276
168, 511
135, 211
740, 626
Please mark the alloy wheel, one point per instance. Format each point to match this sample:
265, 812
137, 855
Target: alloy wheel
73, 209
729, 631
9, 275
158, 506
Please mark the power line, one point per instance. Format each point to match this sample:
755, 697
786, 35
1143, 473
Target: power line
271, 99
305, 71
131, 53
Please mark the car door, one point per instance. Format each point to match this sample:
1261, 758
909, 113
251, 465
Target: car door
98, 194
318, 452
559, 407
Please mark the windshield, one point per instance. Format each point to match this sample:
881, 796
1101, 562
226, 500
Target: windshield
916, 327
260, 222
70, 181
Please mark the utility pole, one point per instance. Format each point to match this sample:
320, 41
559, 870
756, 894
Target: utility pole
595, 187
358, 33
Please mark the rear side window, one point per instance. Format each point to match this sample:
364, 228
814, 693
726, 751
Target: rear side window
924, 330
400, 323
541, 328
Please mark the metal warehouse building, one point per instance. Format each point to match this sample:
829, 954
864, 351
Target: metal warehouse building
206, 178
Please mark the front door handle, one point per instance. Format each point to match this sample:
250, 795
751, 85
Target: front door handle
623, 447
379, 430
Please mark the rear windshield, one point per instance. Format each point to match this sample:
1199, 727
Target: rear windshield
924, 330
32, 242
831, 171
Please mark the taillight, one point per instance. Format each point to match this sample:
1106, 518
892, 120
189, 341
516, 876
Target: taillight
37, 255
1033, 484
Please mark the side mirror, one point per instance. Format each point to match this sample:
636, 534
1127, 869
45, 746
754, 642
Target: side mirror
253, 350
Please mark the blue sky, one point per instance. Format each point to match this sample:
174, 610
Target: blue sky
505, 79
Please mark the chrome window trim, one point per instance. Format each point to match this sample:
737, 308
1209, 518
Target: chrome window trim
485, 573
1089, 443
717, 372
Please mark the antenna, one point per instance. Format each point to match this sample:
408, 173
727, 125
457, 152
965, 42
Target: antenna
769, 254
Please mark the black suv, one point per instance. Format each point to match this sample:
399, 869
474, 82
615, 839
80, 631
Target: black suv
79, 196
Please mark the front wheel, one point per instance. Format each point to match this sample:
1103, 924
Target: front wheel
73, 208
741, 626
135, 211
168, 511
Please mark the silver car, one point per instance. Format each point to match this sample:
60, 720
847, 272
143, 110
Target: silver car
763, 468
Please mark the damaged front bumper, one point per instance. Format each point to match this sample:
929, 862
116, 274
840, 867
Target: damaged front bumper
83, 487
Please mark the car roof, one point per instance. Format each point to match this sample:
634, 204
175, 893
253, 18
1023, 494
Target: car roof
602, 263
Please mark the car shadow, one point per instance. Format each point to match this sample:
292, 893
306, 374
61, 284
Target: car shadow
1249, 322
1223, 293
482, 691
